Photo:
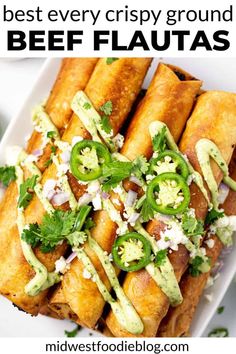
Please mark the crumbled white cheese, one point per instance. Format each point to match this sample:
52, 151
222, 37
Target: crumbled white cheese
171, 237
125, 215
97, 202
122, 229
191, 212
62, 169
210, 243
212, 230
155, 154
230, 221
65, 156
209, 283
209, 297
93, 187
114, 215
164, 218
149, 177
30, 159
86, 274
76, 139
203, 251
118, 189
190, 179
118, 140
61, 266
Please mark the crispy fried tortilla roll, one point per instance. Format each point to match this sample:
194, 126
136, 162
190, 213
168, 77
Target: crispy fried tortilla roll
178, 320
169, 100
73, 76
213, 118
129, 73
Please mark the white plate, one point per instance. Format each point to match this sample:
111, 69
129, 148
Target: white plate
217, 74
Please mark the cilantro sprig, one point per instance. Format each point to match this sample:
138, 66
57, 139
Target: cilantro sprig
212, 216
106, 109
220, 310
219, 332
53, 152
7, 175
26, 191
51, 134
191, 226
140, 166
106, 125
56, 227
109, 61
198, 265
146, 212
115, 172
159, 141
73, 333
160, 258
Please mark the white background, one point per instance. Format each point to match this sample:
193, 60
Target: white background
17, 78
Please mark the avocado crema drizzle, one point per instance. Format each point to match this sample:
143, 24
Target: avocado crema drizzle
164, 274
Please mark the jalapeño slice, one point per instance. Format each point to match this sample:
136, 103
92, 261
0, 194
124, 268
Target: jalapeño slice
131, 252
168, 194
87, 158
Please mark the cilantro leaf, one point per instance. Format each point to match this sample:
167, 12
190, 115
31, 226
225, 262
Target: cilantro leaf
192, 226
56, 226
194, 266
77, 238
26, 190
109, 61
51, 134
159, 141
48, 162
106, 108
219, 332
220, 310
106, 125
89, 224
32, 236
160, 258
53, 149
115, 172
140, 166
87, 105
53, 152
147, 212
73, 333
212, 216
7, 175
